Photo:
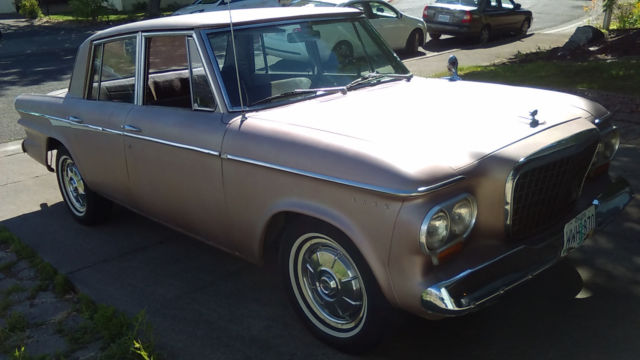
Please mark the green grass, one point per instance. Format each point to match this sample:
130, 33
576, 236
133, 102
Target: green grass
108, 18
617, 76
119, 334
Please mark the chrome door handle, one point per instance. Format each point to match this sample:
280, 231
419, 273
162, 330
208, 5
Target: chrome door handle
131, 128
74, 119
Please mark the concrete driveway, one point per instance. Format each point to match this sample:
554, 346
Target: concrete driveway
206, 304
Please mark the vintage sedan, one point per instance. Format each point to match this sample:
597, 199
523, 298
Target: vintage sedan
401, 31
478, 18
369, 200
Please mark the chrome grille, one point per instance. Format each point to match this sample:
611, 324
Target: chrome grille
545, 189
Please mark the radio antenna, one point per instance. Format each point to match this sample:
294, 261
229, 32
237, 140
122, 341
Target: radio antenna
235, 59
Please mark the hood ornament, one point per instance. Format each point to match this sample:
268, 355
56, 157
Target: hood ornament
534, 122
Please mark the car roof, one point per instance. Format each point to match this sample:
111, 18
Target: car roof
215, 19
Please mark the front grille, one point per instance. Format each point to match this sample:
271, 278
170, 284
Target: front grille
546, 188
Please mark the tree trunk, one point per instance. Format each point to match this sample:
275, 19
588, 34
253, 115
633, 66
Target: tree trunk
153, 8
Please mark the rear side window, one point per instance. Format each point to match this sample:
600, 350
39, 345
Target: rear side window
113, 71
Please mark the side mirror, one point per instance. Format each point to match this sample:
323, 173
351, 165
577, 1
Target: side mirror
517, 7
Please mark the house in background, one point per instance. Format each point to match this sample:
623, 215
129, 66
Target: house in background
8, 7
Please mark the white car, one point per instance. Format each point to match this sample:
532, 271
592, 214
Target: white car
199, 6
400, 31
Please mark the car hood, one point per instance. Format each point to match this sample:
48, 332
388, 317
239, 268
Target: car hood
433, 121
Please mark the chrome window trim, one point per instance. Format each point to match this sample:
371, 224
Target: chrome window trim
557, 146
381, 189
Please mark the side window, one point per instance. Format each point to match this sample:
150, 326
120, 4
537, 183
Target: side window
200, 88
507, 4
175, 75
113, 71
381, 10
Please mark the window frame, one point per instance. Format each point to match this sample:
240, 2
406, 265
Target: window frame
89, 79
141, 57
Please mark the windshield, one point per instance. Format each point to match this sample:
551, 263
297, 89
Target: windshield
458, 2
285, 59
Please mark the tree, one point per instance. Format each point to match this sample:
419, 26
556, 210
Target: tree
608, 10
153, 8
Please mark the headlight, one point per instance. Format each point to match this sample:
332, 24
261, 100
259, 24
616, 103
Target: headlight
461, 216
437, 230
447, 224
607, 148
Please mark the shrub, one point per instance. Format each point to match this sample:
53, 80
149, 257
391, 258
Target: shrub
627, 15
88, 9
30, 9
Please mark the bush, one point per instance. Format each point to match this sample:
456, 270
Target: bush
627, 16
88, 9
29, 9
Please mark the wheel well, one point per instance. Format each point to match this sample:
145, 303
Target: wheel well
52, 144
275, 228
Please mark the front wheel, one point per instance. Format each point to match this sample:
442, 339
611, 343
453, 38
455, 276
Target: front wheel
85, 206
524, 27
331, 287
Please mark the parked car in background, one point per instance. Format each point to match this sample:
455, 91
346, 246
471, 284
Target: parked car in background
332, 168
478, 18
216, 5
399, 30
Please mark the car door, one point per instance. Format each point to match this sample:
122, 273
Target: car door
387, 21
495, 15
93, 133
173, 139
512, 18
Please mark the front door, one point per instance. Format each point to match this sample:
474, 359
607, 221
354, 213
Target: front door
173, 140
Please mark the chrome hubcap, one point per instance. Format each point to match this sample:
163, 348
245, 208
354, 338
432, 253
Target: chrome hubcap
73, 185
330, 282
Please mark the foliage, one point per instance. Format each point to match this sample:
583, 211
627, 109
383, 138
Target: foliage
621, 76
30, 9
88, 9
627, 16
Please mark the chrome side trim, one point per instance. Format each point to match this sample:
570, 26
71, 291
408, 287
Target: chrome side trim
58, 121
174, 144
381, 189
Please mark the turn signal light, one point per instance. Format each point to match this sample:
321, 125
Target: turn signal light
424, 12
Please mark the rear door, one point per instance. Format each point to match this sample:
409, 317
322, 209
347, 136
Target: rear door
386, 20
93, 133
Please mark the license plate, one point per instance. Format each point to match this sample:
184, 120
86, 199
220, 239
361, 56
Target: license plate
579, 229
444, 18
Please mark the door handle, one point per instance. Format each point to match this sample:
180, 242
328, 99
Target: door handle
131, 128
74, 119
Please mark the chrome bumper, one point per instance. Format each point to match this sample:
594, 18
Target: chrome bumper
470, 289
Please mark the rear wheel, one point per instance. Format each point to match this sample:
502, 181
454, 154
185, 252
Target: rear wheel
434, 36
484, 35
331, 286
85, 206
414, 41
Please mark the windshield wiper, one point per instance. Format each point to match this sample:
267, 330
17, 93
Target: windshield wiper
375, 76
340, 89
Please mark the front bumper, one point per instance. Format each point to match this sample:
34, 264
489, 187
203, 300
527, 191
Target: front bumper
468, 290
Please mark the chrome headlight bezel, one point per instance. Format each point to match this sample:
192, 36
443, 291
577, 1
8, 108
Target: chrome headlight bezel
452, 239
607, 147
